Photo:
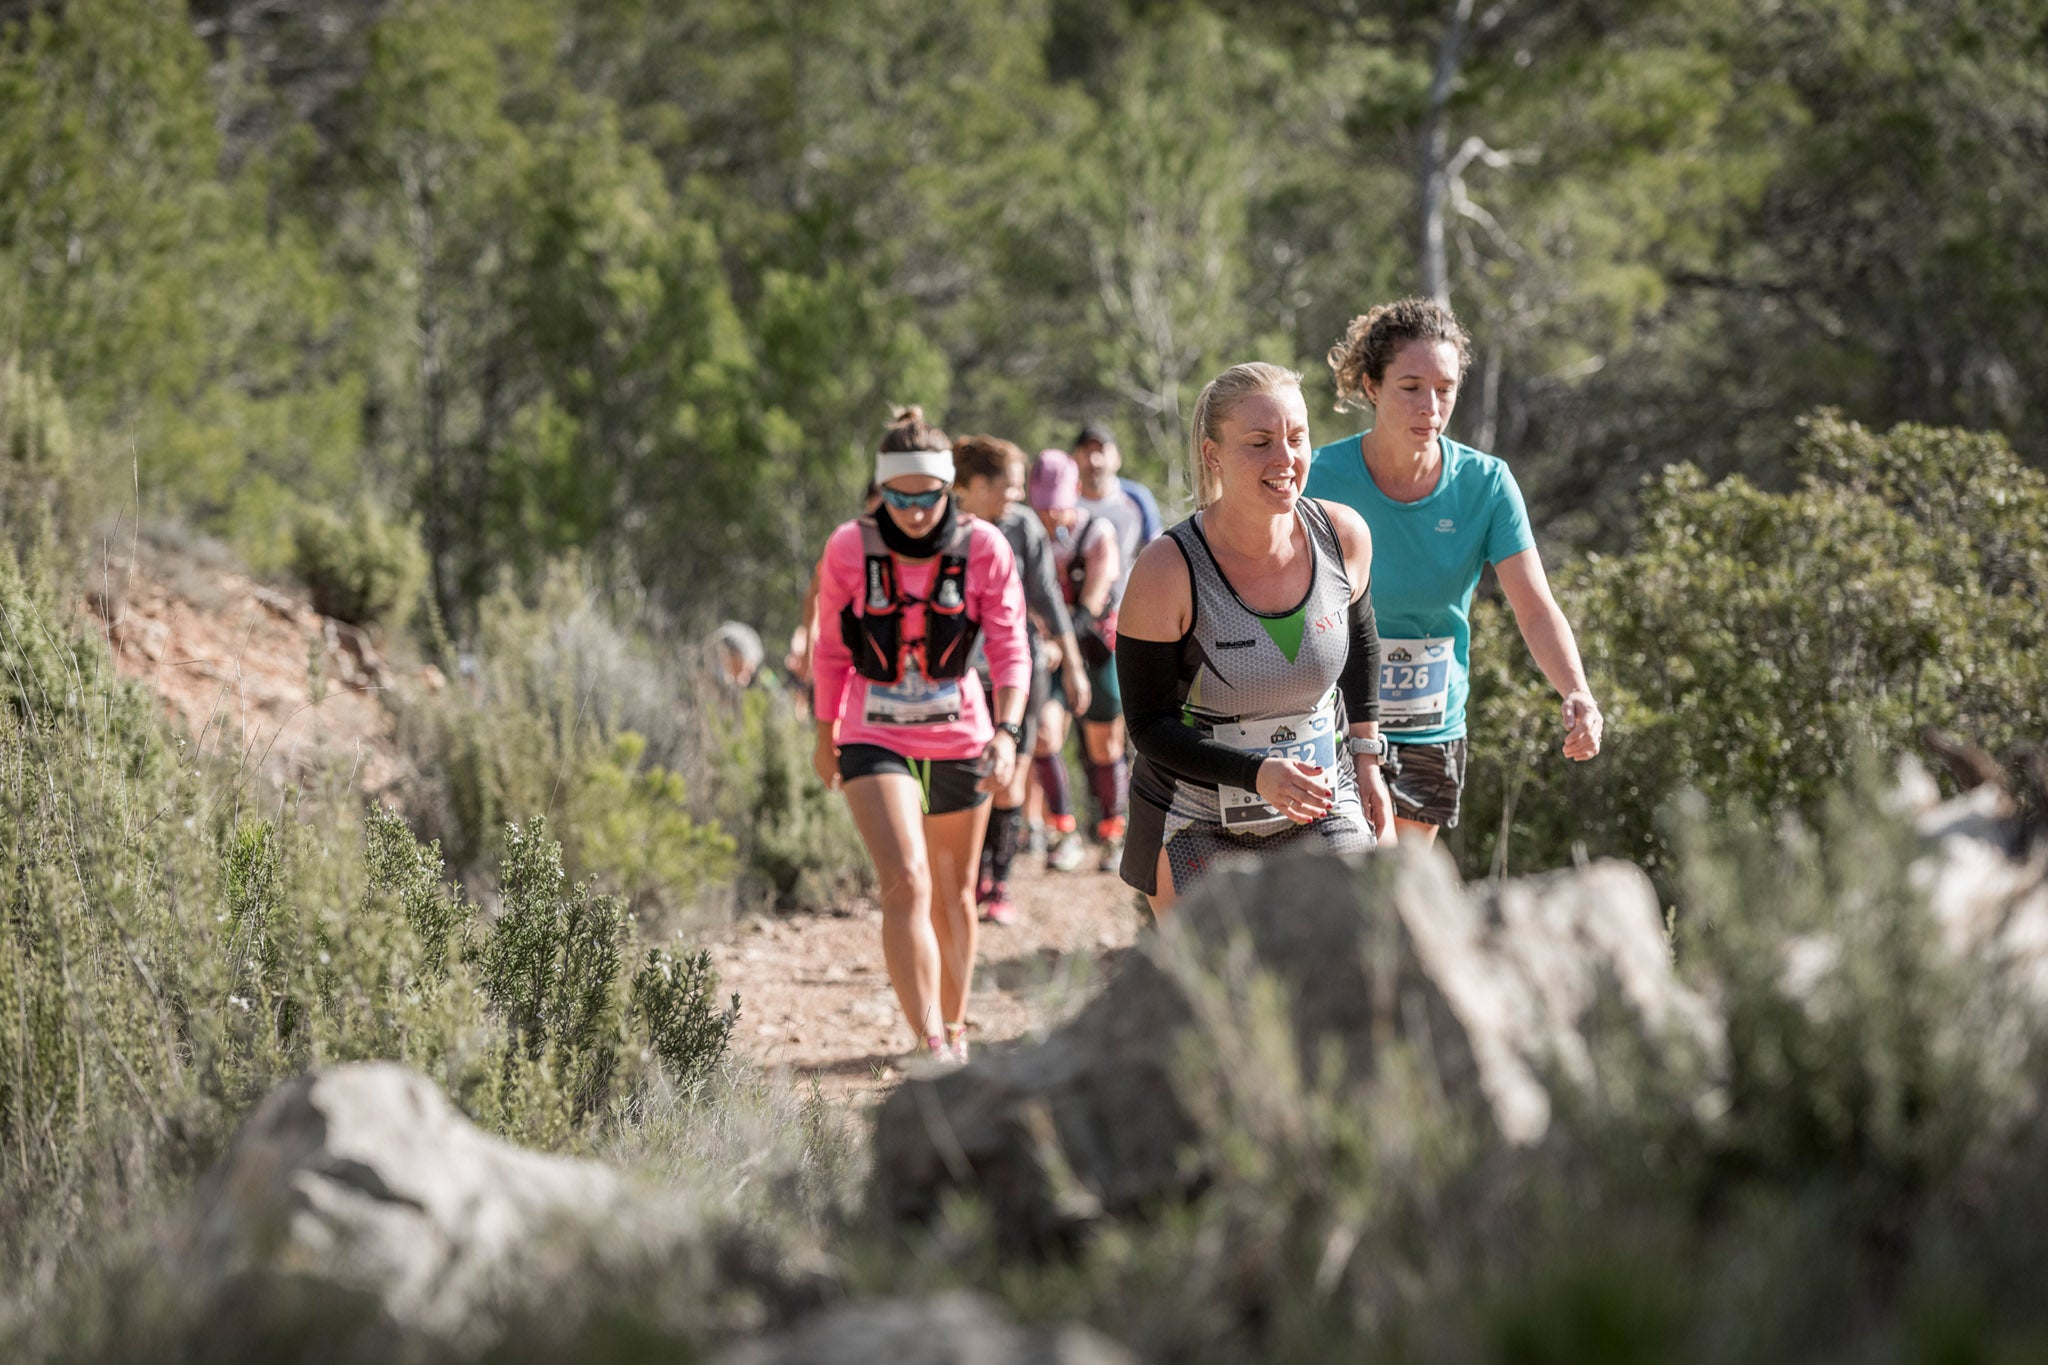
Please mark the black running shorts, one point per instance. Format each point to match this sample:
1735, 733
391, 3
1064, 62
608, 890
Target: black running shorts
948, 783
1426, 780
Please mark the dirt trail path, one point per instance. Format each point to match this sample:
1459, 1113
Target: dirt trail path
814, 997
256, 672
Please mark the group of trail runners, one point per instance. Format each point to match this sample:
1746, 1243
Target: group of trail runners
1286, 667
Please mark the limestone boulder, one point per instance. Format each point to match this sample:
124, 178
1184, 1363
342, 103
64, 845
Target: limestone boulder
1499, 994
360, 1197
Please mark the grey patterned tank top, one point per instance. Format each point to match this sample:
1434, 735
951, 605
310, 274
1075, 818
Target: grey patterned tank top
1264, 682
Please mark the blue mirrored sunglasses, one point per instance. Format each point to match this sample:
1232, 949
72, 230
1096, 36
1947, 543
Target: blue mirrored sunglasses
897, 498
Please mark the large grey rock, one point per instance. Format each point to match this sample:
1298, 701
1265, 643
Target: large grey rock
359, 1194
1498, 994
956, 1328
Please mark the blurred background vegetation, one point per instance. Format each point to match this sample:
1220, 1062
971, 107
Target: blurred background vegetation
560, 329
554, 331
638, 280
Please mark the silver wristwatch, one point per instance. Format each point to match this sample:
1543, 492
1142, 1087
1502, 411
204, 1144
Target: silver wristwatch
1367, 746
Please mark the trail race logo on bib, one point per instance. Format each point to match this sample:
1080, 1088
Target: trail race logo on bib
1400, 656
1283, 735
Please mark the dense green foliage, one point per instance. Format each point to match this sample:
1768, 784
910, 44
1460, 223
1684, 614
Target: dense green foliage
639, 281
1860, 1182
563, 710
573, 322
359, 568
1748, 645
170, 948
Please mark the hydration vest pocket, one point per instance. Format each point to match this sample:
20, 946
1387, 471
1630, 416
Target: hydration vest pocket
949, 633
875, 637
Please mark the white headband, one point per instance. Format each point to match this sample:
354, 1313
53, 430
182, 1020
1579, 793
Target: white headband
895, 464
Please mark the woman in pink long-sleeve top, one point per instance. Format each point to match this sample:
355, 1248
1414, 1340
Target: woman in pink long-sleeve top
903, 726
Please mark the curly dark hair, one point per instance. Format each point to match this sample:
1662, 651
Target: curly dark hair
1372, 338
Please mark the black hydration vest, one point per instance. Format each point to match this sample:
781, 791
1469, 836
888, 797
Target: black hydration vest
875, 634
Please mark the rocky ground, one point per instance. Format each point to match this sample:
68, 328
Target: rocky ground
251, 672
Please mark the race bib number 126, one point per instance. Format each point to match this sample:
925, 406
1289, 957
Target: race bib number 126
1415, 683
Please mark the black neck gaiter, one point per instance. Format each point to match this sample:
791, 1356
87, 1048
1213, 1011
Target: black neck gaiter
916, 547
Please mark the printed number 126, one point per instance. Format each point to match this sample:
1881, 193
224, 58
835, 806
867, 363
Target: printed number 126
1405, 677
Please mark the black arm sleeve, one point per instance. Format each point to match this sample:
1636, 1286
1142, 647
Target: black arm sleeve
1149, 673
1360, 680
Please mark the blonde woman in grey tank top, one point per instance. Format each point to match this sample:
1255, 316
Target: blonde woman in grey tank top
1248, 656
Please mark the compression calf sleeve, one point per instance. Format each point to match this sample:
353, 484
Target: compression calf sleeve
1090, 775
1150, 673
1109, 781
1052, 780
1004, 827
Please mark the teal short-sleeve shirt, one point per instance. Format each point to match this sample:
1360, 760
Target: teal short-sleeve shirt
1426, 558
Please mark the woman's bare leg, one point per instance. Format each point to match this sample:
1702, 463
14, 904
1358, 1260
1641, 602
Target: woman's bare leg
1162, 900
1421, 833
888, 810
953, 842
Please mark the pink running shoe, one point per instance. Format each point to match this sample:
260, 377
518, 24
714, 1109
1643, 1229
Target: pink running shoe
999, 908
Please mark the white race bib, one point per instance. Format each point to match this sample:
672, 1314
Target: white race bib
1309, 739
1415, 682
913, 699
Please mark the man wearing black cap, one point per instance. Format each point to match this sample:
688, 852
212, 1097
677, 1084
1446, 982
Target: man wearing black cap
1129, 507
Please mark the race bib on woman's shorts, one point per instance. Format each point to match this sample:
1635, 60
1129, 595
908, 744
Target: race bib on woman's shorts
913, 700
1415, 683
1309, 739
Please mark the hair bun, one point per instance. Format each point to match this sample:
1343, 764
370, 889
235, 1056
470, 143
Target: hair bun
905, 416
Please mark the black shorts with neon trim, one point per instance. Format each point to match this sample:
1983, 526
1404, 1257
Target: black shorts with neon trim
1426, 780
948, 783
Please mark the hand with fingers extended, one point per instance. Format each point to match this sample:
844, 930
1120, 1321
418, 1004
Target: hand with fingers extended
1296, 790
1583, 724
1378, 803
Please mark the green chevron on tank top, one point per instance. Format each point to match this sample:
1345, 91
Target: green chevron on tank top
1263, 681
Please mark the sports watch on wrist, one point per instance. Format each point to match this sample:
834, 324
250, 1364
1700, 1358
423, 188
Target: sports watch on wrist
1367, 746
1012, 729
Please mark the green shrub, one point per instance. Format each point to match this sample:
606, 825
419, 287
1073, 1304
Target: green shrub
657, 783
630, 826
1749, 643
673, 1003
173, 944
362, 567
41, 479
560, 712
798, 846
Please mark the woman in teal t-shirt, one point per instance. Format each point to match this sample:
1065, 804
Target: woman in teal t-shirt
1439, 513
